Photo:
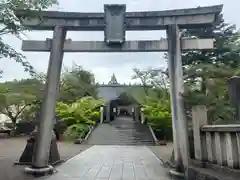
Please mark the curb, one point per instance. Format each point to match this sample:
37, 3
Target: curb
89, 133
153, 135
80, 141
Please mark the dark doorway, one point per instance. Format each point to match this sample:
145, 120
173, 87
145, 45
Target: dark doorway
124, 103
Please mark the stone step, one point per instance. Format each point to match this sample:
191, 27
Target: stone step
122, 131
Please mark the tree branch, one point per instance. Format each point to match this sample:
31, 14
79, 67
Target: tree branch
21, 110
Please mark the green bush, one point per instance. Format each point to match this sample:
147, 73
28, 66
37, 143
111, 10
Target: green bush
79, 116
158, 115
76, 131
83, 111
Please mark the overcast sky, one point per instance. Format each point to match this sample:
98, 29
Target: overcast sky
104, 64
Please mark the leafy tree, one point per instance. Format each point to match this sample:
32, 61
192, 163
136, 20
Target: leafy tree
41, 77
144, 77
77, 83
225, 35
224, 54
17, 96
206, 72
157, 101
29, 113
11, 26
154, 81
214, 94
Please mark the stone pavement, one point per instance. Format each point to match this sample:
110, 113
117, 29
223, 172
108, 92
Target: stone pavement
11, 149
112, 163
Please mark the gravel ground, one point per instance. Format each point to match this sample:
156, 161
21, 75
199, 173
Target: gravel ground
11, 149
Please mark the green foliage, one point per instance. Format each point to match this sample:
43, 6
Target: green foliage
77, 83
83, 111
79, 115
10, 25
21, 99
29, 113
158, 115
144, 77
18, 96
156, 102
225, 36
206, 72
154, 81
76, 131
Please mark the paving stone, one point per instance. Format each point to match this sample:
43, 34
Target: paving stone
112, 163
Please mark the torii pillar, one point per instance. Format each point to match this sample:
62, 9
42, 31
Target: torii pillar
179, 124
44, 132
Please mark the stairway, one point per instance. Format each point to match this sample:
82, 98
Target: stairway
122, 131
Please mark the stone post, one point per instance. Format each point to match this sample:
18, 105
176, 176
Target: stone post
199, 118
179, 124
115, 112
142, 116
101, 114
44, 131
136, 111
133, 113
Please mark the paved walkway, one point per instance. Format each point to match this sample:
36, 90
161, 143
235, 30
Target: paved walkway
12, 148
112, 163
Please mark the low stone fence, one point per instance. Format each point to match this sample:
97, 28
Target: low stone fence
215, 144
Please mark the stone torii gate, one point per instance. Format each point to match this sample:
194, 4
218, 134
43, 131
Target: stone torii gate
115, 21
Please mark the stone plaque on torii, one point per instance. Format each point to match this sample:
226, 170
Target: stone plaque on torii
115, 21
